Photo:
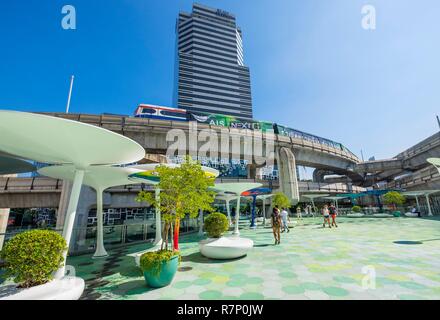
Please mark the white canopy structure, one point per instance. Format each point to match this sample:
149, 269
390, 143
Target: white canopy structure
99, 178
236, 189
314, 196
335, 199
264, 197
55, 140
435, 162
418, 193
227, 197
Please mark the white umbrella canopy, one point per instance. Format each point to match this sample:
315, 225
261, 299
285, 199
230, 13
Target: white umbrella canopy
236, 189
435, 162
312, 197
418, 193
227, 197
11, 165
55, 140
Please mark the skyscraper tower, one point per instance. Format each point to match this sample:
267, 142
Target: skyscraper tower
210, 74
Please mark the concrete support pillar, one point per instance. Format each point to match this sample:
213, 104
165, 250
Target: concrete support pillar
287, 174
4, 217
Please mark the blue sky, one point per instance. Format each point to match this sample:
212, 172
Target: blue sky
312, 65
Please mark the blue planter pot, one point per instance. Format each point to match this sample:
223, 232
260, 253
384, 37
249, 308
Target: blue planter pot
166, 275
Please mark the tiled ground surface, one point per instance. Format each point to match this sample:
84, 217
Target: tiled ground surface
310, 263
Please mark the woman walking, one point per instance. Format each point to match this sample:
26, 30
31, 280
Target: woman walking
326, 214
276, 224
333, 214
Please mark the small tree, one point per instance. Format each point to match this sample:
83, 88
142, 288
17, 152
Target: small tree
281, 200
216, 224
183, 190
394, 198
32, 256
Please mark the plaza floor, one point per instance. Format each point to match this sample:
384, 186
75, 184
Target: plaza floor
399, 256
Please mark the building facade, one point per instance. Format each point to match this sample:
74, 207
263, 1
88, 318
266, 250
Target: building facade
210, 75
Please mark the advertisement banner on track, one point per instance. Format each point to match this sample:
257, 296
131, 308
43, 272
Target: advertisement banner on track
230, 122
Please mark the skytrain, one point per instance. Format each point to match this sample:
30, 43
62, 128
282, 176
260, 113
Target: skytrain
175, 114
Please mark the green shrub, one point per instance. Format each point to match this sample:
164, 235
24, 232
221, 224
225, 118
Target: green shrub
216, 224
281, 200
356, 209
152, 261
32, 256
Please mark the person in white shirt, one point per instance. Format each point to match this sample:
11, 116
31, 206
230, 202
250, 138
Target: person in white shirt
284, 218
326, 214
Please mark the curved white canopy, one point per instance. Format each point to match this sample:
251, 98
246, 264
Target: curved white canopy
235, 188
146, 171
50, 139
97, 177
315, 196
435, 162
265, 196
419, 193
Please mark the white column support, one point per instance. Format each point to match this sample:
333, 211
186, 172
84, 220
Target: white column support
429, 205
417, 202
158, 237
237, 217
314, 207
200, 222
264, 212
100, 249
4, 216
228, 210
70, 217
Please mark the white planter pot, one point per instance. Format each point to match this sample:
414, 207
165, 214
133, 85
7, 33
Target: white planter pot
355, 215
411, 215
225, 247
67, 288
382, 215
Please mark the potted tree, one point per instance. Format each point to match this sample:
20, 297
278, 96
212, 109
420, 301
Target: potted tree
356, 212
219, 247
183, 191
394, 199
281, 200
31, 258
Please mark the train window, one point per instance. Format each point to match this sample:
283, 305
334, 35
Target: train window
172, 114
148, 111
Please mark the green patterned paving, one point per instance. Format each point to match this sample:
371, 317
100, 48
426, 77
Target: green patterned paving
310, 263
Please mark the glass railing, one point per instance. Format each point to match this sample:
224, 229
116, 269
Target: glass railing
84, 239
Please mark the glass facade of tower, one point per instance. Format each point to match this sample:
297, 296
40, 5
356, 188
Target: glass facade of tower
210, 73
